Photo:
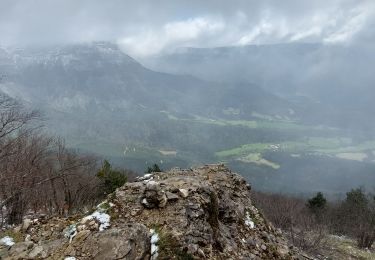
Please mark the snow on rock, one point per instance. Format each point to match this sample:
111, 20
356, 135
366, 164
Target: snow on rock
145, 202
154, 241
146, 177
101, 217
70, 258
71, 232
248, 221
7, 241
154, 238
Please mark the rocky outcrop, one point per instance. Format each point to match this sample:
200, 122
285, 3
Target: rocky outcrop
201, 213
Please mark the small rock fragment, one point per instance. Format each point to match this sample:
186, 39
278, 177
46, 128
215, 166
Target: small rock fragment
184, 193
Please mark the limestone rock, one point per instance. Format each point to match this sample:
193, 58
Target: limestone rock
37, 252
130, 242
210, 216
172, 196
200, 213
26, 224
184, 193
19, 248
154, 196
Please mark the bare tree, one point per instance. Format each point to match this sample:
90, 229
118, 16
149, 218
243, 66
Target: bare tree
37, 172
15, 123
355, 217
301, 226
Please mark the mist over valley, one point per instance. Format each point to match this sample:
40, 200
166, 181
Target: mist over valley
283, 115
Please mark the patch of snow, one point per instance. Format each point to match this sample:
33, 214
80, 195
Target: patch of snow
147, 175
70, 258
154, 249
71, 232
248, 221
7, 241
101, 217
154, 238
145, 202
154, 241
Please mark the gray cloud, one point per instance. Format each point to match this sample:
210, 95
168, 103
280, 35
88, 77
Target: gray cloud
149, 27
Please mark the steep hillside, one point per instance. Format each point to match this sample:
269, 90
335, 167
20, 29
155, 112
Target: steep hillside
100, 76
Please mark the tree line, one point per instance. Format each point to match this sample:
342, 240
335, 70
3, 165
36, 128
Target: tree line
39, 174
308, 223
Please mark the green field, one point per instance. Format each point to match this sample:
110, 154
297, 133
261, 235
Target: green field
193, 139
340, 147
252, 124
257, 159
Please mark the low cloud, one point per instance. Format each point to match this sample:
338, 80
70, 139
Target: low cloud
148, 27
172, 34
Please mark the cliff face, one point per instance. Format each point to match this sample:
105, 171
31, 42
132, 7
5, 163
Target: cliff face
201, 213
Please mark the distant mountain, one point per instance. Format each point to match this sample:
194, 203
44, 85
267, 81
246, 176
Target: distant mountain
89, 76
334, 83
267, 65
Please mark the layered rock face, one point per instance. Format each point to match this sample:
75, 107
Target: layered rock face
201, 213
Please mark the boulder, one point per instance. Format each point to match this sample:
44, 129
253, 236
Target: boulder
128, 242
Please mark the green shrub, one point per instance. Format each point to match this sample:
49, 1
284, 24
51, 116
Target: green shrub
154, 168
317, 203
112, 179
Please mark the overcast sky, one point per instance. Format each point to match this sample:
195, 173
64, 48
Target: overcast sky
148, 27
